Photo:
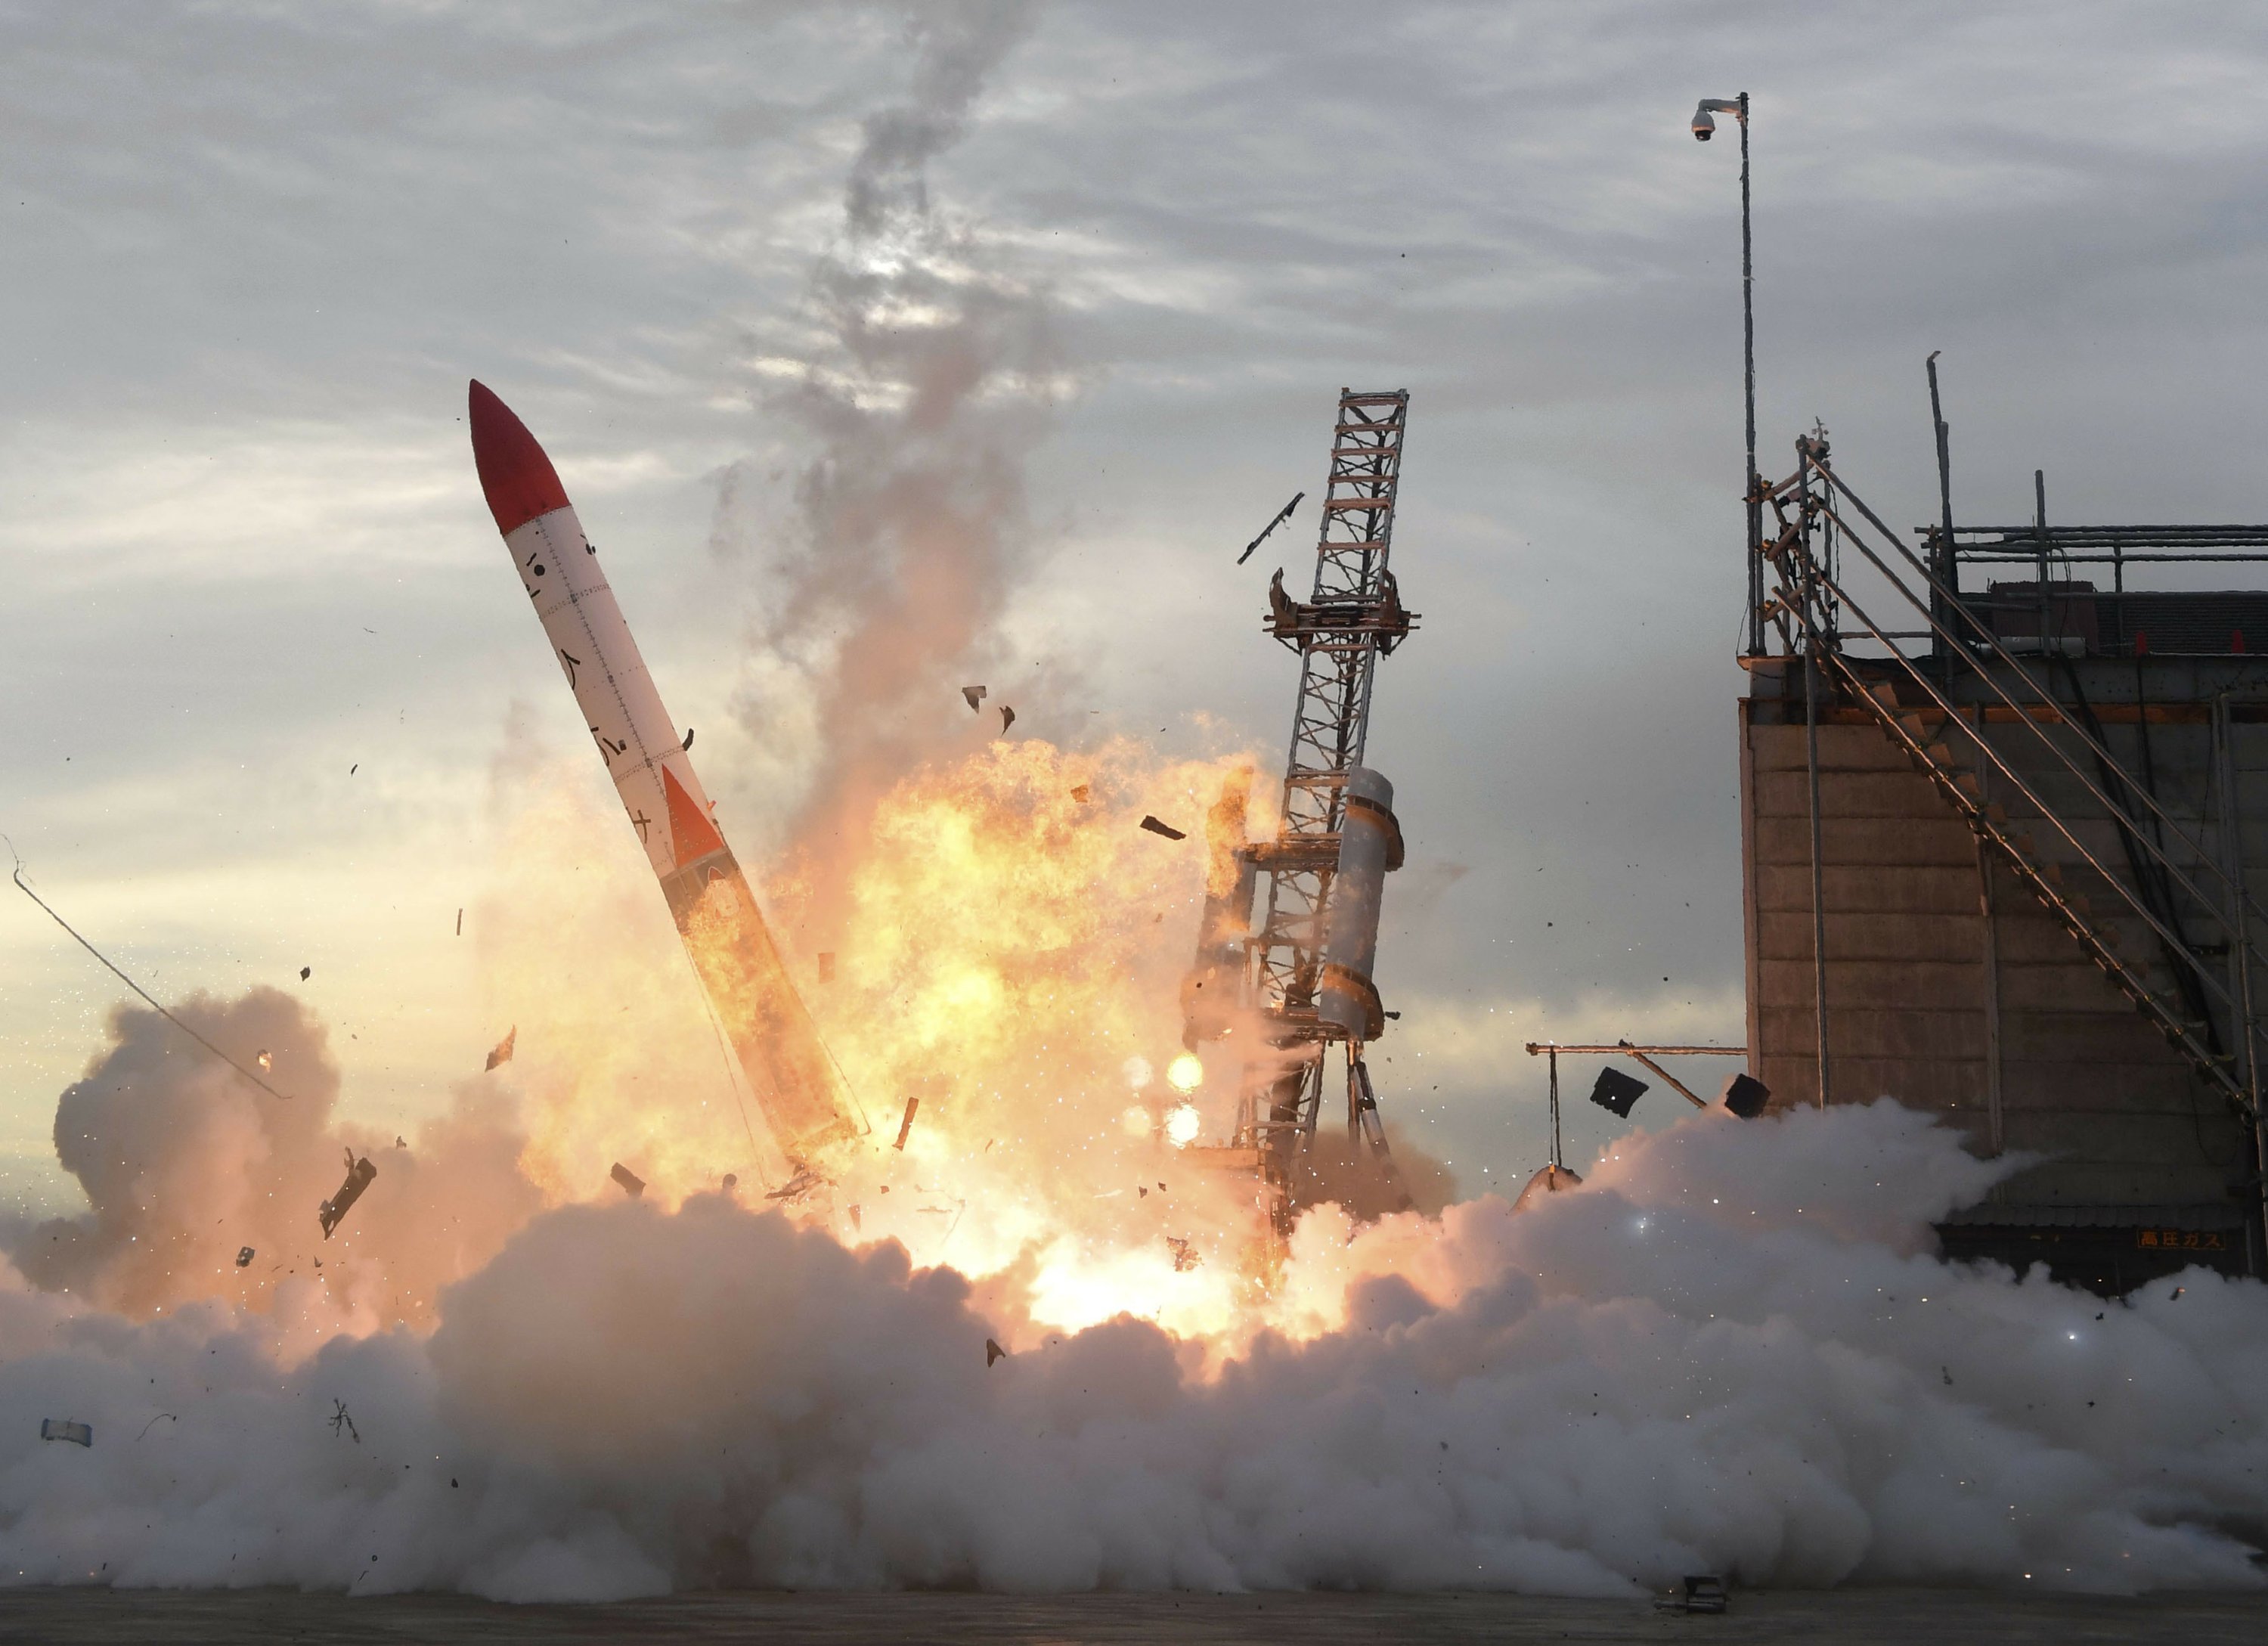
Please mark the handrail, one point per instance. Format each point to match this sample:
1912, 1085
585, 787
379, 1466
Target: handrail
2046, 699
2048, 813
2207, 1062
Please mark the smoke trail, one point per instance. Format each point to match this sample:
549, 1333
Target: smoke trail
931, 386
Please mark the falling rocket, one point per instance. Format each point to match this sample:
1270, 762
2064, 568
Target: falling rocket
788, 1067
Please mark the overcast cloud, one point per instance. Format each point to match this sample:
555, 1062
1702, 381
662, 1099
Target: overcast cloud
255, 250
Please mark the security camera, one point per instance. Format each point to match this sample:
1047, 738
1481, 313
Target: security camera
1704, 118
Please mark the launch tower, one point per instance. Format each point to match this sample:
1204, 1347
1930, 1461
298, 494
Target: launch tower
1310, 955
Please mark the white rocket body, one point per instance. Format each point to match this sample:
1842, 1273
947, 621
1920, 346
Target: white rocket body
789, 1070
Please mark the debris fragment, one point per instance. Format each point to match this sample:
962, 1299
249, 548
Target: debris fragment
1142, 1191
1080, 792
354, 768
1007, 718
1282, 514
400, 1141
64, 1429
858, 1222
503, 1053
1185, 1255
1746, 1096
1946, 1372
360, 1174
906, 1125
826, 965
306, 973
150, 1000
1616, 1092
687, 743
993, 1352
1161, 1188
795, 1188
460, 922
1704, 1593
732, 1181
244, 1256
632, 1183
164, 1416
343, 1421
975, 695
1166, 830
2179, 1290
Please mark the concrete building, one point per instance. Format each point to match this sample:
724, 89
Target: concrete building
2038, 817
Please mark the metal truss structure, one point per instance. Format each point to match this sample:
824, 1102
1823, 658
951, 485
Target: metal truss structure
1354, 616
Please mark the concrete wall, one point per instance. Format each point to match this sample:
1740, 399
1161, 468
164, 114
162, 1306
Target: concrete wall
2081, 1075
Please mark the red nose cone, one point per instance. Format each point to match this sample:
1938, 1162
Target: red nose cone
516, 476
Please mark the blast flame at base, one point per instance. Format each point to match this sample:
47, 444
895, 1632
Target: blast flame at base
1009, 952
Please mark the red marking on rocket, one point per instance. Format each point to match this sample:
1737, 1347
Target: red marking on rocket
516, 477
789, 1070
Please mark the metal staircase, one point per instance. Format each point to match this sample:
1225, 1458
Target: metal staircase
1908, 698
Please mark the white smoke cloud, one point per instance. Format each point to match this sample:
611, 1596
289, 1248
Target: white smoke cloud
184, 1164
1673, 1370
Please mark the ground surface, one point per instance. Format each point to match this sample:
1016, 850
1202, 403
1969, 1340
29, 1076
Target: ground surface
1855, 1617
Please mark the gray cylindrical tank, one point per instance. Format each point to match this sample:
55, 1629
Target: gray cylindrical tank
1370, 845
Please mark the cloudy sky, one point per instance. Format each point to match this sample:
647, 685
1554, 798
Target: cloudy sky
261, 661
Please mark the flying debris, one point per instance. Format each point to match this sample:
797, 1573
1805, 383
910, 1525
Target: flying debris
460, 922
1164, 829
343, 1421
732, 1181
858, 1222
975, 695
244, 1256
1616, 1092
64, 1429
503, 1052
1185, 1255
1007, 718
803, 1183
1081, 793
266, 1059
306, 973
687, 745
1282, 514
400, 1141
906, 1125
778, 1048
993, 1352
1746, 1096
632, 1183
360, 1174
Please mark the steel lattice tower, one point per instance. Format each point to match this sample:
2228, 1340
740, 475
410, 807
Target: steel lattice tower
1354, 615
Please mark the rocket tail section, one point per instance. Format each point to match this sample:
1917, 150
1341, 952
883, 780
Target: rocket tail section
795, 1081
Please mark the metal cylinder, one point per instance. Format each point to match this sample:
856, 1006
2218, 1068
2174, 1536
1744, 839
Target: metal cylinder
1370, 845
